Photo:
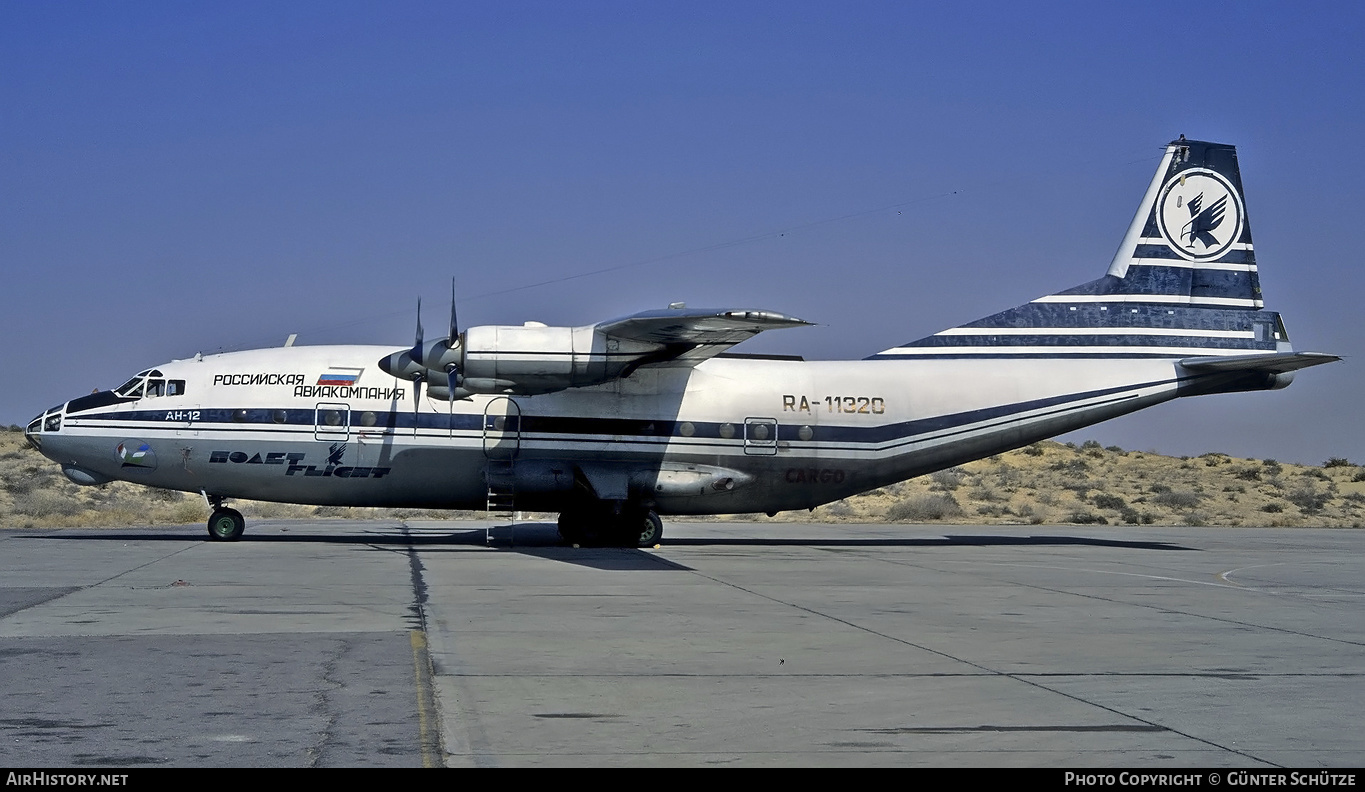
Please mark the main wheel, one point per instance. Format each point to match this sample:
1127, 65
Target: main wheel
650, 529
226, 525
637, 527
572, 527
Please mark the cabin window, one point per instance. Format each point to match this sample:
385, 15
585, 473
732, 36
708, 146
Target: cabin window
175, 387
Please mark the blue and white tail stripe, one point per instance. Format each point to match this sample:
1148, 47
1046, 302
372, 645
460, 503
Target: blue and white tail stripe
1183, 282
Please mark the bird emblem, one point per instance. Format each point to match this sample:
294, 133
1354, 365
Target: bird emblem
1203, 221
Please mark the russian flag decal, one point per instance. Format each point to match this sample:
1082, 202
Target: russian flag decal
340, 376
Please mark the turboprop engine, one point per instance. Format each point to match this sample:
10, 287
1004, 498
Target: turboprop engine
517, 359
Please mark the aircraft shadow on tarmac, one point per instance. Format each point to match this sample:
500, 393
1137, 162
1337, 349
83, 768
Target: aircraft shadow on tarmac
542, 540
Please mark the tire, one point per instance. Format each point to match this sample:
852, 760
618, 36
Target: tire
650, 529
571, 528
226, 525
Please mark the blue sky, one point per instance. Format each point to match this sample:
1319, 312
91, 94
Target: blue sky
183, 177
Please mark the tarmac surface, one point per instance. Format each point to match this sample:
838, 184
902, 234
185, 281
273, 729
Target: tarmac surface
341, 643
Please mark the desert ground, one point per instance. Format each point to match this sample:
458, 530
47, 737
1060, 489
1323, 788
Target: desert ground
1045, 483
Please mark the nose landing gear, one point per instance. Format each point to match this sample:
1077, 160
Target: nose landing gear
225, 525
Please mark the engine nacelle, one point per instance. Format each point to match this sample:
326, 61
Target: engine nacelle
532, 358
518, 360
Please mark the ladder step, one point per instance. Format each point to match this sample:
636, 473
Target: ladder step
500, 478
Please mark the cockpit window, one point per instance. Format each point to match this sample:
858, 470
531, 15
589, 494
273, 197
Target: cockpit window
132, 389
150, 384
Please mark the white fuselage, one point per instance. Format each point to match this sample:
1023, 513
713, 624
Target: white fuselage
324, 425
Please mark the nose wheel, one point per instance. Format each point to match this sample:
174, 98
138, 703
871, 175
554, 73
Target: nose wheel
226, 525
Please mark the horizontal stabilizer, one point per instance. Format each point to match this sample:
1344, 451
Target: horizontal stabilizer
1271, 364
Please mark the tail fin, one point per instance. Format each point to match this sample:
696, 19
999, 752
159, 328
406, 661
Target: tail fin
1190, 242
1183, 282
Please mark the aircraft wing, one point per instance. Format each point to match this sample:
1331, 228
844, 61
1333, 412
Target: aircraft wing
689, 336
1275, 363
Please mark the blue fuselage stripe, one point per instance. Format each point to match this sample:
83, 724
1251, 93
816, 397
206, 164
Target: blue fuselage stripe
618, 429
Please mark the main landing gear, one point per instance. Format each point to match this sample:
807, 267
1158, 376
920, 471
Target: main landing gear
225, 525
631, 526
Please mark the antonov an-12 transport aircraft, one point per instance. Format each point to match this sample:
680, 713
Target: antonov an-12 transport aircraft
613, 424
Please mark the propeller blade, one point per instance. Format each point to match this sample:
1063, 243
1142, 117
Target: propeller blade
418, 377
416, 395
417, 345
454, 326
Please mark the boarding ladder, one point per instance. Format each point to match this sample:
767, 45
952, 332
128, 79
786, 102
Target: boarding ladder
500, 475
501, 443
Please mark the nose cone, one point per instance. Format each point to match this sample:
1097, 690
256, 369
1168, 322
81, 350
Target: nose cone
400, 365
31, 433
49, 422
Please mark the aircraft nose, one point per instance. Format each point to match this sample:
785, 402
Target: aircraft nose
48, 422
31, 433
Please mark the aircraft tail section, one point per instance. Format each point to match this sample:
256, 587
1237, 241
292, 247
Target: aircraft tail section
1183, 282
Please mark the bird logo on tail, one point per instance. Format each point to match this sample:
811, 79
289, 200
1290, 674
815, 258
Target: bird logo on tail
1192, 206
1202, 223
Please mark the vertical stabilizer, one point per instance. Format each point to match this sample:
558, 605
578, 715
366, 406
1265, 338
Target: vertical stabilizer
1183, 282
1190, 237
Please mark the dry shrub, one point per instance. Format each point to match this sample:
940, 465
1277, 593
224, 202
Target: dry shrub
949, 479
925, 508
46, 503
1177, 500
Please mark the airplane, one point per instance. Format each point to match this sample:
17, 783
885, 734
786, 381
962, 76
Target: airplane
612, 425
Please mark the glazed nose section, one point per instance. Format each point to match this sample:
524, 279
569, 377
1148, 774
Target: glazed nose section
49, 422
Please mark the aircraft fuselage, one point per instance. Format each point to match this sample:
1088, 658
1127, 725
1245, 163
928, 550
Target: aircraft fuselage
729, 435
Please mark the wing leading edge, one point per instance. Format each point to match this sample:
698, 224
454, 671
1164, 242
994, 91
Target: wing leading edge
688, 336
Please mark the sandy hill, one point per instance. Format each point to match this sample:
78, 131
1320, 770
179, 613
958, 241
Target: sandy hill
1045, 483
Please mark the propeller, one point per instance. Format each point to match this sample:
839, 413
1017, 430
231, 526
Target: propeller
420, 375
454, 326
444, 355
426, 362
452, 372
453, 341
